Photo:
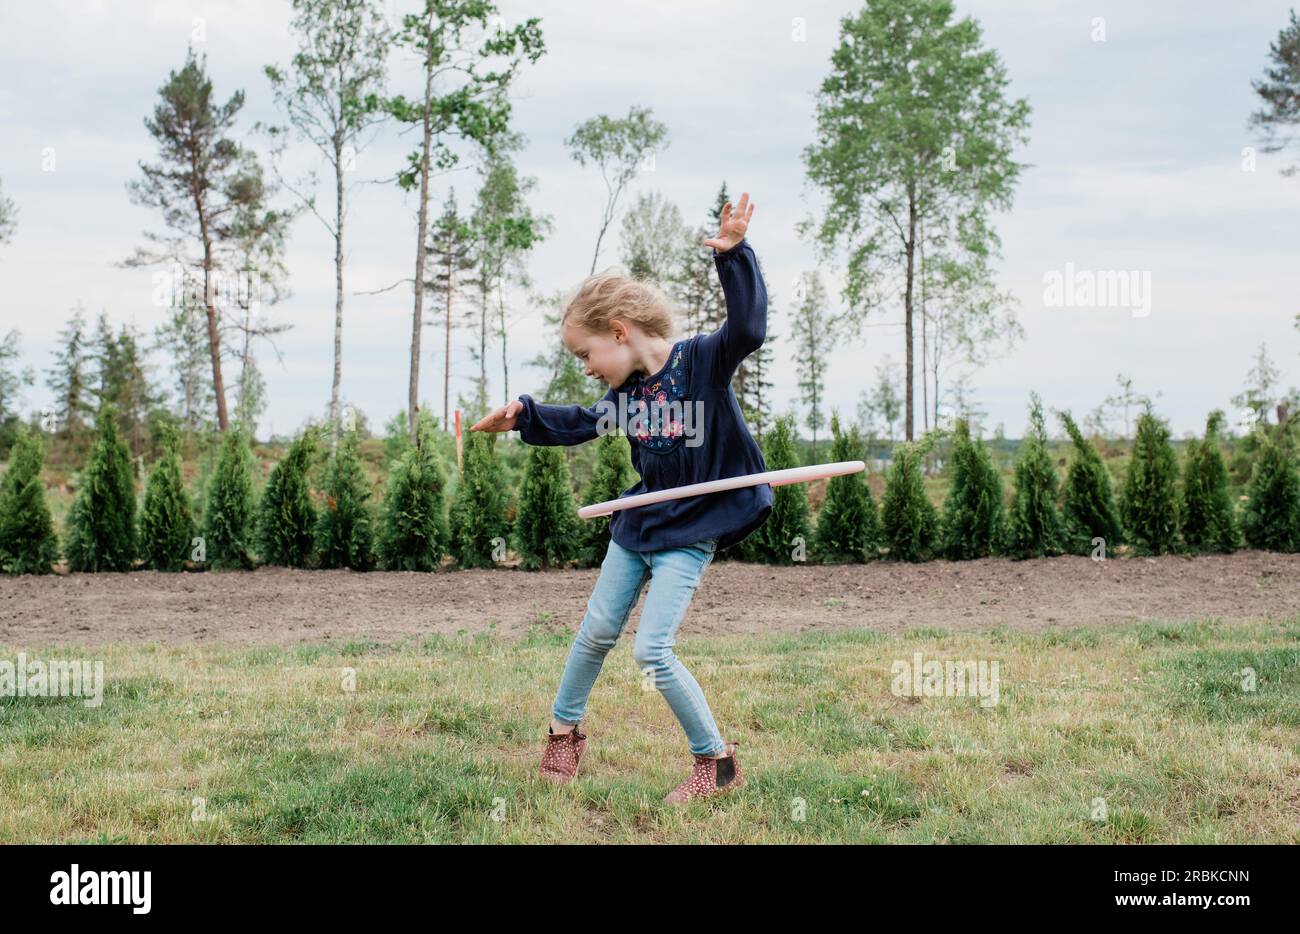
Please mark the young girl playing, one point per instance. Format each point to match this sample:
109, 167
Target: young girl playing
621, 329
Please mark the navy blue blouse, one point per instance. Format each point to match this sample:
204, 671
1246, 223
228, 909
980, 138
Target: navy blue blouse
697, 433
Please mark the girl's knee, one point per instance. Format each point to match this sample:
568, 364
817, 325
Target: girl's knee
651, 654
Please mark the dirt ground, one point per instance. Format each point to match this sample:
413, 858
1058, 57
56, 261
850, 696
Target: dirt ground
286, 607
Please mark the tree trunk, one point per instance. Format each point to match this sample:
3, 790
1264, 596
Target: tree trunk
214, 338
505, 367
925, 340
338, 290
417, 319
446, 362
907, 313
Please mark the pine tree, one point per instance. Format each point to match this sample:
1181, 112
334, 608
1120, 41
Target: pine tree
28, 543
166, 527
68, 379
478, 511
788, 530
286, 529
1034, 526
121, 379
101, 522
1209, 520
1272, 516
973, 515
1089, 509
612, 476
229, 518
345, 531
848, 526
813, 332
908, 520
415, 533
546, 521
1149, 504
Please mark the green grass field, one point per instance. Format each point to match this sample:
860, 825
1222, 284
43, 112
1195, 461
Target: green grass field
1138, 735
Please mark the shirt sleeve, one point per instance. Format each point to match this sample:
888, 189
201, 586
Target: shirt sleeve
746, 326
550, 425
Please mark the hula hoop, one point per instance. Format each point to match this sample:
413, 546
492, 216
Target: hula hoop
772, 477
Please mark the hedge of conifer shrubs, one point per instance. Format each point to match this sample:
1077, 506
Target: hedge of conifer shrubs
328, 517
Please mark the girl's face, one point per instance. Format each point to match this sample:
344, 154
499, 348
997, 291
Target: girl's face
607, 356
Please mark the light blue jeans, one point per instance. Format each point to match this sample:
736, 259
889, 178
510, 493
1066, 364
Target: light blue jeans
674, 574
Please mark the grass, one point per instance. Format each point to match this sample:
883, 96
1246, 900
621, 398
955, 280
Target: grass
1142, 734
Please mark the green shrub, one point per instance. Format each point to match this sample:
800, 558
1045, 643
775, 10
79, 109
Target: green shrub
546, 520
972, 515
1149, 504
28, 542
166, 527
787, 529
228, 517
286, 529
345, 530
101, 522
1209, 519
478, 511
848, 527
1272, 516
1088, 509
909, 522
1033, 523
415, 531
611, 478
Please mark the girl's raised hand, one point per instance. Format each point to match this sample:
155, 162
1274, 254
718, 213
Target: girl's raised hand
733, 226
503, 419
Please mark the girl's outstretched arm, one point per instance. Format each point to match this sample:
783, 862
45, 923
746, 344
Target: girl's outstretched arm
746, 326
549, 425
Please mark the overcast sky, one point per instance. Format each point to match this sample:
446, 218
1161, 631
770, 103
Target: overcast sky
1136, 146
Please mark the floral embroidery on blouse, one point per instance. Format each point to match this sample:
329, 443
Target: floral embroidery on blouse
661, 425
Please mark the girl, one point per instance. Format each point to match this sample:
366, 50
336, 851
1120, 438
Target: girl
620, 328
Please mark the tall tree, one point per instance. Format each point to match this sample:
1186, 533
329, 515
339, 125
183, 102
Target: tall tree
330, 99
202, 182
450, 262
476, 111
507, 229
652, 236
882, 402
121, 379
12, 381
1258, 396
1280, 92
813, 333
694, 283
183, 338
914, 132
619, 147
963, 313
256, 248
8, 217
1126, 399
68, 378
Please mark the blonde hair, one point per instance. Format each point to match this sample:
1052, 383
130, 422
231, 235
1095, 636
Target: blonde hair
612, 294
